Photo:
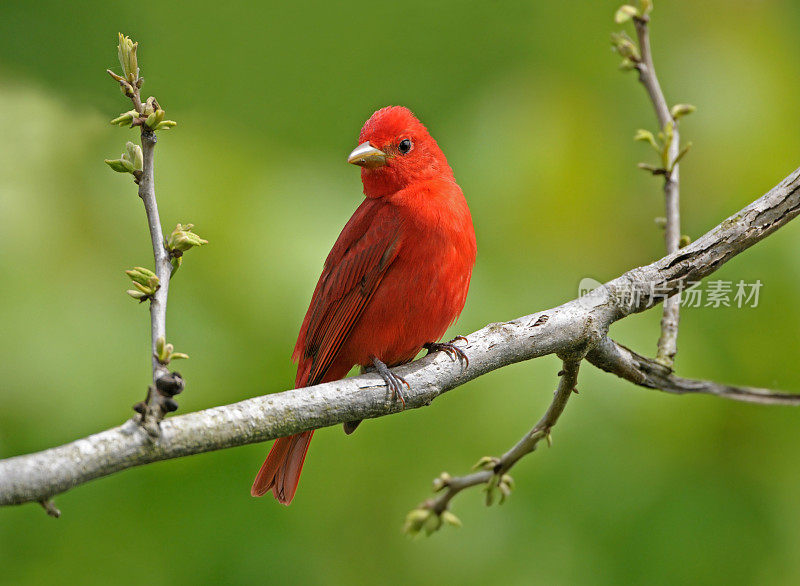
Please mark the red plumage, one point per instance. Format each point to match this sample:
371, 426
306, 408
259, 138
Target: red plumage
396, 278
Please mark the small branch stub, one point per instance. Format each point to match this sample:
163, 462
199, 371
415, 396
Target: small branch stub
50, 508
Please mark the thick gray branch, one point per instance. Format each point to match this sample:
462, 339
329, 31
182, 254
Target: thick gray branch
579, 325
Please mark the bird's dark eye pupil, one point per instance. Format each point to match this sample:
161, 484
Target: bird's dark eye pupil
404, 146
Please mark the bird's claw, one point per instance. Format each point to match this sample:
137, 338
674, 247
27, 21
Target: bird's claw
449, 348
393, 381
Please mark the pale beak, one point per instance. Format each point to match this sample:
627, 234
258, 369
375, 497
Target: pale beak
366, 155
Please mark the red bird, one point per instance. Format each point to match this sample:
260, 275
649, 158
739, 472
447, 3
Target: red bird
395, 280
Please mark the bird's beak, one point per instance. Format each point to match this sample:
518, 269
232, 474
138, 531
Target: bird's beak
366, 155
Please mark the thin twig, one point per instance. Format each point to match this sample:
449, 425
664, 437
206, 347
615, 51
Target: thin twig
454, 485
163, 269
668, 341
155, 403
645, 372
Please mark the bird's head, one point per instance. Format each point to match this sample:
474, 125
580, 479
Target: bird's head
395, 151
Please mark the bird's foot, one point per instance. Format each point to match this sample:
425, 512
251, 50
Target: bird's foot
450, 349
393, 381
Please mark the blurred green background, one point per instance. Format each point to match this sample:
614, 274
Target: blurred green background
526, 101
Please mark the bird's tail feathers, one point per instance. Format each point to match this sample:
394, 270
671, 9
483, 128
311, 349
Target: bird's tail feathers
281, 470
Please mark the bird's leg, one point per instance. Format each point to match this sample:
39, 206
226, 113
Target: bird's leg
450, 349
394, 382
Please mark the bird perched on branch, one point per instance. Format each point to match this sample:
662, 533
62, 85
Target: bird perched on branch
393, 283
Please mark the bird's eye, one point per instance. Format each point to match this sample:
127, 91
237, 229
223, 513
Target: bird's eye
404, 146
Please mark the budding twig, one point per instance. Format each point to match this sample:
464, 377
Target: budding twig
493, 473
150, 286
154, 409
641, 59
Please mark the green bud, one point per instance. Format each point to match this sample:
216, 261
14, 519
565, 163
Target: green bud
669, 131
140, 273
432, 524
441, 482
126, 51
415, 520
125, 119
120, 165
136, 294
160, 343
143, 288
154, 119
647, 136
166, 125
135, 155
150, 106
625, 47
130, 151
489, 494
684, 241
647, 6
625, 13
505, 492
182, 238
143, 276
680, 110
451, 519
627, 65
486, 463
652, 169
166, 352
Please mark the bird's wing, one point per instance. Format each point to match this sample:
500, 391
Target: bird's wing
353, 270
